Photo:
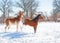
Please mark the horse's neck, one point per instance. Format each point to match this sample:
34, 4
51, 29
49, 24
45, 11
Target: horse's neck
19, 17
35, 19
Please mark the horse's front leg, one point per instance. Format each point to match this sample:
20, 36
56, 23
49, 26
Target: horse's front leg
35, 28
17, 27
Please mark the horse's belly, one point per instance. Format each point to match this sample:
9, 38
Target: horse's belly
13, 22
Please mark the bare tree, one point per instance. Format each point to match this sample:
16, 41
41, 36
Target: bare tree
56, 8
33, 8
5, 7
29, 6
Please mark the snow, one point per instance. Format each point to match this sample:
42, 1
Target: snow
47, 32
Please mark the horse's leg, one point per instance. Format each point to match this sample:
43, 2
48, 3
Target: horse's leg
21, 28
17, 27
34, 30
7, 24
6, 27
35, 27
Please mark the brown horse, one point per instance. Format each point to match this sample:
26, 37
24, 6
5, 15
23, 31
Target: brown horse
13, 20
33, 22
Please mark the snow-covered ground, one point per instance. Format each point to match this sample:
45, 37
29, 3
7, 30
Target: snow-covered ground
47, 32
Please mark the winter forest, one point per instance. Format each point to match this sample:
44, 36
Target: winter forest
29, 21
11, 7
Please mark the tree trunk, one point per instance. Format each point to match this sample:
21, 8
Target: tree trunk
31, 15
26, 13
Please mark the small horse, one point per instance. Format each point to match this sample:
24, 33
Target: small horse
13, 20
33, 22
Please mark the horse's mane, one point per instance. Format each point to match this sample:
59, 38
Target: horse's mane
36, 18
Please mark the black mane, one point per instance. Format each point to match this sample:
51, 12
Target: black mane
36, 18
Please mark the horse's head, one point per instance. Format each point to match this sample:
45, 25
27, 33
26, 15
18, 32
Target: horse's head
20, 16
20, 13
40, 17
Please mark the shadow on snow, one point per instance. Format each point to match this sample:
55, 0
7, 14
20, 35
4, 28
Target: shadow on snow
13, 35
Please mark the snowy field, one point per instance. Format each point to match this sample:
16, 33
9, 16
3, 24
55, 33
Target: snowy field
47, 32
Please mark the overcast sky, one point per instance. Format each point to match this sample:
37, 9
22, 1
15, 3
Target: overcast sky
45, 6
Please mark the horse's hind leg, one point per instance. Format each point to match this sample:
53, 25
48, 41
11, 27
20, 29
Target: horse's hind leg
7, 26
34, 30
